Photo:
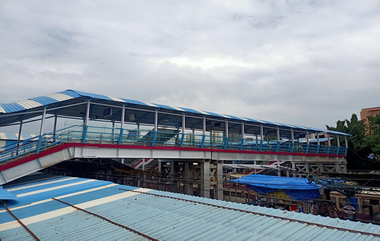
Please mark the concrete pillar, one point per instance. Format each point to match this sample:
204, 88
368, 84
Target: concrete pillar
219, 180
205, 179
189, 179
320, 167
337, 167
294, 168
307, 167
173, 183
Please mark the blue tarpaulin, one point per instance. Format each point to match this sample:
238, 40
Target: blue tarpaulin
296, 187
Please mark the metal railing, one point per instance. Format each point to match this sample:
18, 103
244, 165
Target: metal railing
162, 137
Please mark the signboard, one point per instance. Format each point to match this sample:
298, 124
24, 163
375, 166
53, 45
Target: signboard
349, 209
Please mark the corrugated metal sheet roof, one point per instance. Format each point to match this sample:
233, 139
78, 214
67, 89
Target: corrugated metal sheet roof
70, 94
158, 214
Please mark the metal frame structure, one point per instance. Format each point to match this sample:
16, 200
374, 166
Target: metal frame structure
154, 125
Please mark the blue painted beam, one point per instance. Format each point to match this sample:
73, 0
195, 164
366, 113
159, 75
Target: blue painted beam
203, 141
242, 144
225, 143
154, 138
182, 138
120, 136
277, 146
84, 134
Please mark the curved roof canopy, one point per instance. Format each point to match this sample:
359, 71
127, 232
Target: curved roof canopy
10, 113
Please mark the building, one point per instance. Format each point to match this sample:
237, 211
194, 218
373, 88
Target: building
364, 113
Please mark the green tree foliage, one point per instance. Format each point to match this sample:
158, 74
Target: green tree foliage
358, 145
373, 135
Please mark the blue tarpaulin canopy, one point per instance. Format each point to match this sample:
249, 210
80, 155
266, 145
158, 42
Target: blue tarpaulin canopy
296, 187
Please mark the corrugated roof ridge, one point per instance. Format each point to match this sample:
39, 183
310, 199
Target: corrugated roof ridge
296, 217
86, 94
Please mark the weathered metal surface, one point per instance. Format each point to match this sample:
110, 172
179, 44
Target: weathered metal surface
160, 215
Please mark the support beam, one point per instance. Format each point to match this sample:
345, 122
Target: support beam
156, 120
173, 183
183, 123
242, 130
226, 135
226, 128
43, 121
19, 136
19, 132
329, 143
189, 178
204, 132
338, 144
292, 137
262, 136
85, 122
122, 117
318, 143
219, 181
346, 143
155, 127
278, 138
87, 113
121, 124
205, 179
41, 130
55, 124
242, 136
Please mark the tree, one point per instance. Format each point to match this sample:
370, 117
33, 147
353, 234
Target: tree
358, 143
373, 136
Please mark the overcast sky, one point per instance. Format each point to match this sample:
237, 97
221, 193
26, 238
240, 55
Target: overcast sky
298, 62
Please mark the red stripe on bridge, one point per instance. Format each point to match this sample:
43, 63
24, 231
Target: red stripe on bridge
67, 145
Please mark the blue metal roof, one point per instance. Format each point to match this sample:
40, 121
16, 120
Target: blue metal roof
161, 215
70, 94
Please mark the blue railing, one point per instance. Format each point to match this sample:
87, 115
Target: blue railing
162, 137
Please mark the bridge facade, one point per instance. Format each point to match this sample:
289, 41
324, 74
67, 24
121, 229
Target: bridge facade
111, 127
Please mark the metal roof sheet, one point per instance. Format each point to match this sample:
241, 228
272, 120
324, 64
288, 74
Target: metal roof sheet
158, 214
70, 94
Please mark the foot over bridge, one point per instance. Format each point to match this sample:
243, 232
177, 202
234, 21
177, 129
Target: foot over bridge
111, 127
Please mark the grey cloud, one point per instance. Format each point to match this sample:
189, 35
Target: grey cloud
300, 62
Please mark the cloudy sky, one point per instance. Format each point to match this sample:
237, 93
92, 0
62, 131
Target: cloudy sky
299, 62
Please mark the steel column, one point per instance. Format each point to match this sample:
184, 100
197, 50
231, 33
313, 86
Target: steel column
204, 132
205, 179
338, 144
121, 124
86, 121
329, 143
226, 135
55, 125
41, 130
262, 136
183, 128
292, 136
308, 142
278, 138
318, 143
242, 136
346, 143
219, 181
19, 136
155, 127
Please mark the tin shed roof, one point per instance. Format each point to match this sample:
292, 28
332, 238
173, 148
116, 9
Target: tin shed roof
81, 207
